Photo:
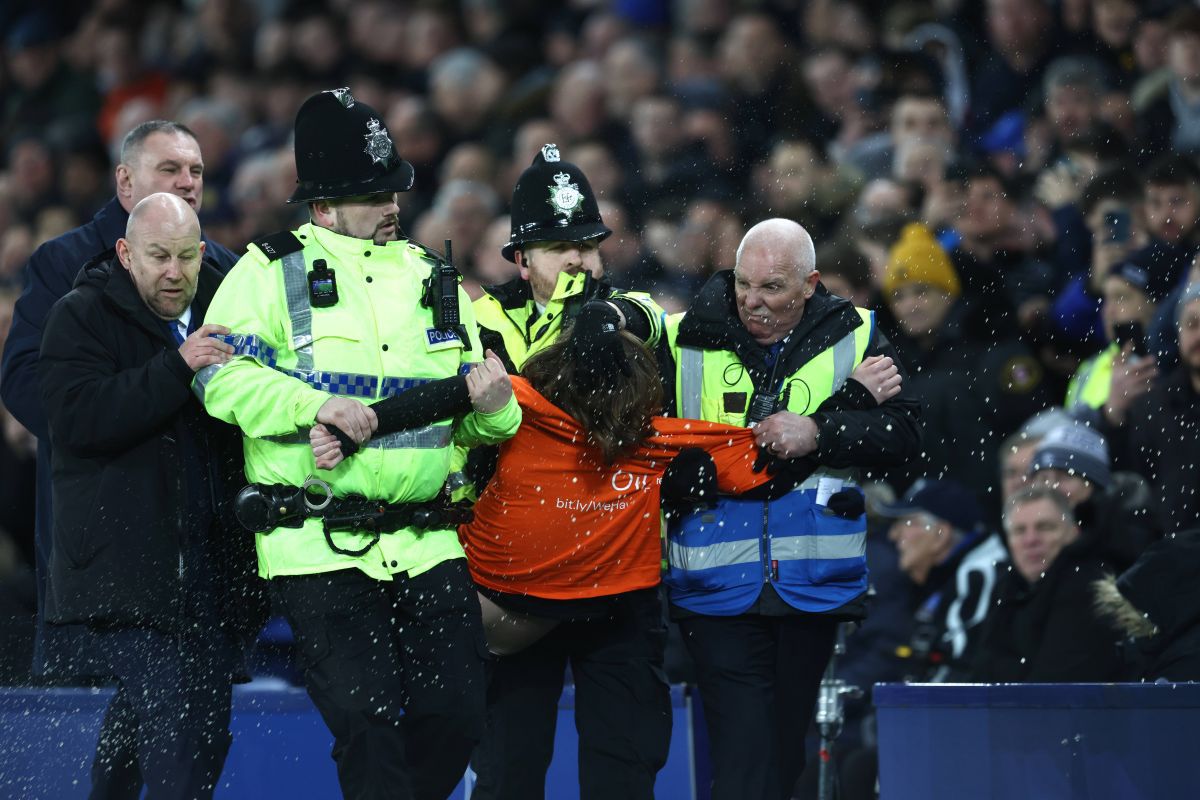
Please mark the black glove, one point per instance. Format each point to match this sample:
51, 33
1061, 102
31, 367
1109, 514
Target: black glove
689, 482
596, 344
766, 460
847, 504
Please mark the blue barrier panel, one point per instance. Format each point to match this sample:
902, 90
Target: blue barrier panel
280, 746
1039, 741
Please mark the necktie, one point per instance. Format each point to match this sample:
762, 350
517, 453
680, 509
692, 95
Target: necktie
178, 330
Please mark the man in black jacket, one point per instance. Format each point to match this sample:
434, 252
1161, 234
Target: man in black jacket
758, 587
139, 478
156, 156
1043, 627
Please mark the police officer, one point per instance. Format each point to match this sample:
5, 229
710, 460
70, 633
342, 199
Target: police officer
555, 243
758, 587
367, 568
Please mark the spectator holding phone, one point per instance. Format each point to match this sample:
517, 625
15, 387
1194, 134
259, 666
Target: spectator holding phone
1162, 434
1114, 378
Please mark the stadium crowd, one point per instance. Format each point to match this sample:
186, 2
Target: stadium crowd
1012, 186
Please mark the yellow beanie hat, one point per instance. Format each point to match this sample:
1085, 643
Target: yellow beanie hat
918, 258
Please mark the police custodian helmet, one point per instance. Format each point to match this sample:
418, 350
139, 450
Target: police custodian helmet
344, 150
553, 202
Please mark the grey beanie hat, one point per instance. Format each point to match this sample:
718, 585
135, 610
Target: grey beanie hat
1074, 448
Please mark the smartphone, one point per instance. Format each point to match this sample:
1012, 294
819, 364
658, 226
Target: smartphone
1132, 332
1117, 226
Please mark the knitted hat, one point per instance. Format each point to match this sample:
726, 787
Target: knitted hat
918, 258
1074, 448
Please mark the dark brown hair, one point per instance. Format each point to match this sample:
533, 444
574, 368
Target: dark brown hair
617, 417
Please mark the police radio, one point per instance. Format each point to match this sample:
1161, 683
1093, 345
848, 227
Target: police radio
441, 295
762, 405
765, 403
322, 285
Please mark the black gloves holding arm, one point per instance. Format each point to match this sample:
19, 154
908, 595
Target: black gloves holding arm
689, 482
419, 406
595, 345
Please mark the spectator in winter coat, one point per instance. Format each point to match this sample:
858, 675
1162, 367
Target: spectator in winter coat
1043, 627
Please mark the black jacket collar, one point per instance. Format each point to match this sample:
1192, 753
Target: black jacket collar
114, 281
712, 323
513, 294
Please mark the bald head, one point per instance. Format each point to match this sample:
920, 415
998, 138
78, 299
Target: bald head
162, 252
774, 276
161, 212
787, 238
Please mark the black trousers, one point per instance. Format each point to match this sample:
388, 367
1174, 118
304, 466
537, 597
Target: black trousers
758, 678
168, 724
396, 671
622, 707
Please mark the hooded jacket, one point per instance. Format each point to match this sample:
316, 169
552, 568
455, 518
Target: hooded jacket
1161, 588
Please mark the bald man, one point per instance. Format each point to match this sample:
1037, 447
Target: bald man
758, 586
141, 556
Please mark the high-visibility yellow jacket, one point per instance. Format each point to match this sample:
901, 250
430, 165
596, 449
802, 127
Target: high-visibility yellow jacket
291, 357
509, 314
1092, 382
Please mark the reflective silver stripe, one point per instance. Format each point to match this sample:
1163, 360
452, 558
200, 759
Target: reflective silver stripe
843, 360
433, 437
796, 548
719, 554
203, 376
297, 437
295, 283
691, 381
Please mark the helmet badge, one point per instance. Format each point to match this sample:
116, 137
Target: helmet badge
379, 146
565, 197
343, 96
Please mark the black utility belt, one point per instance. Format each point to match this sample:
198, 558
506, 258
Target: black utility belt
264, 507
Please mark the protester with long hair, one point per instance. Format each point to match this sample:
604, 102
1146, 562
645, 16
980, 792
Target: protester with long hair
565, 549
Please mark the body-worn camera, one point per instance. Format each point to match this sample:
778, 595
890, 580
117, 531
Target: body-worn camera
322, 285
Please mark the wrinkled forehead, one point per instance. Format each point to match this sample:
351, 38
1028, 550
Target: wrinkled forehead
167, 146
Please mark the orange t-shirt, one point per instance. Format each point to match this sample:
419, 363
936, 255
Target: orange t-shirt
557, 522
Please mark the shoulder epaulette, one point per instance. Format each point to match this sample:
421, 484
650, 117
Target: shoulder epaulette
278, 245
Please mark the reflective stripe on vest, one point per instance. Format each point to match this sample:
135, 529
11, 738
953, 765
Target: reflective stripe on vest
295, 284
349, 384
691, 373
746, 551
432, 437
691, 381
